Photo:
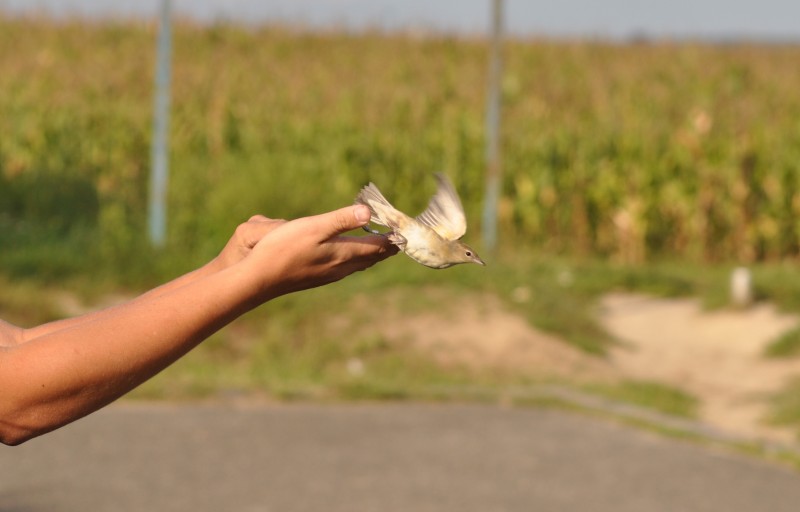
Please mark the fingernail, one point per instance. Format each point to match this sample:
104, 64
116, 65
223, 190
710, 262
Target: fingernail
362, 214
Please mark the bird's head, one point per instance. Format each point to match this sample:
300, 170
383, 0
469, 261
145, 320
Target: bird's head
460, 252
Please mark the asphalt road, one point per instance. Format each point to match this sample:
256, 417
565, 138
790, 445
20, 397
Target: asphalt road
376, 458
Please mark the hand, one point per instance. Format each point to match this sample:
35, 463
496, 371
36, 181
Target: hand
246, 236
311, 251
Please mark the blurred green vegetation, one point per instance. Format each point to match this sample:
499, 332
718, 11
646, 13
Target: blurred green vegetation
786, 407
788, 344
634, 152
681, 156
653, 395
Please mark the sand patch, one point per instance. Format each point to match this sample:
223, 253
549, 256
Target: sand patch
480, 332
714, 355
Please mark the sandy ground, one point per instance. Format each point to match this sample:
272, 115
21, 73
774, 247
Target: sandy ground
714, 356
479, 332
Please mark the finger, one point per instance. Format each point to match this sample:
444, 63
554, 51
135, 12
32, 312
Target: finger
374, 247
342, 220
366, 259
382, 243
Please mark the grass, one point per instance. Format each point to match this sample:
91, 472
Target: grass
786, 407
27, 303
787, 345
651, 395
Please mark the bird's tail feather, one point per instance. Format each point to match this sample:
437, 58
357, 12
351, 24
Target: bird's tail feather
378, 205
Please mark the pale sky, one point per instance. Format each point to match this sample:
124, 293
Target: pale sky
709, 19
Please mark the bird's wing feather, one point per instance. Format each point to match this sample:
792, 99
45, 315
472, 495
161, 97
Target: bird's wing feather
444, 213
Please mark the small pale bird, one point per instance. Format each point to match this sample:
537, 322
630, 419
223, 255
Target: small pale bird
432, 238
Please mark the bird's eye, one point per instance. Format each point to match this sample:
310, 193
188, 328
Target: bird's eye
469, 253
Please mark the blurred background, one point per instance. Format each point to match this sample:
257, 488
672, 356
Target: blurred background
647, 150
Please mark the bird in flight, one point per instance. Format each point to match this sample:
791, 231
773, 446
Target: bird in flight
431, 238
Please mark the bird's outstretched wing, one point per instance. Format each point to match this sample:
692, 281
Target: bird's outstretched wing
444, 213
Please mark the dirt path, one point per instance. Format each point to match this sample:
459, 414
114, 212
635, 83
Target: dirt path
478, 331
716, 356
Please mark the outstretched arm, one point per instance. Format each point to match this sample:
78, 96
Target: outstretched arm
246, 236
52, 375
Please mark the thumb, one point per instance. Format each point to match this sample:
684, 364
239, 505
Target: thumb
342, 220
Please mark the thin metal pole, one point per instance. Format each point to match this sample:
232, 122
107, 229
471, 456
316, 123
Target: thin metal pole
493, 161
159, 176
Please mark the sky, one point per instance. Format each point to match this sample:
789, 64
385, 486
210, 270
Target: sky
765, 20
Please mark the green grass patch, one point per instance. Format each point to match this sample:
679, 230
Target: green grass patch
787, 344
786, 406
651, 395
27, 303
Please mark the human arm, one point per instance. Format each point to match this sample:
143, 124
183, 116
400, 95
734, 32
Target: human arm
55, 376
246, 236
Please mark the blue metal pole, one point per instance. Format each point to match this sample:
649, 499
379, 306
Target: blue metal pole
159, 177
493, 161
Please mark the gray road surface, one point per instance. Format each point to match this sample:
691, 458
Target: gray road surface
442, 458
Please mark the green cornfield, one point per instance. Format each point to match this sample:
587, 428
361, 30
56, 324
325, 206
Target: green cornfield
633, 151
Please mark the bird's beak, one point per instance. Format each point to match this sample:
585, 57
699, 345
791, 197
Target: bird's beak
479, 261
